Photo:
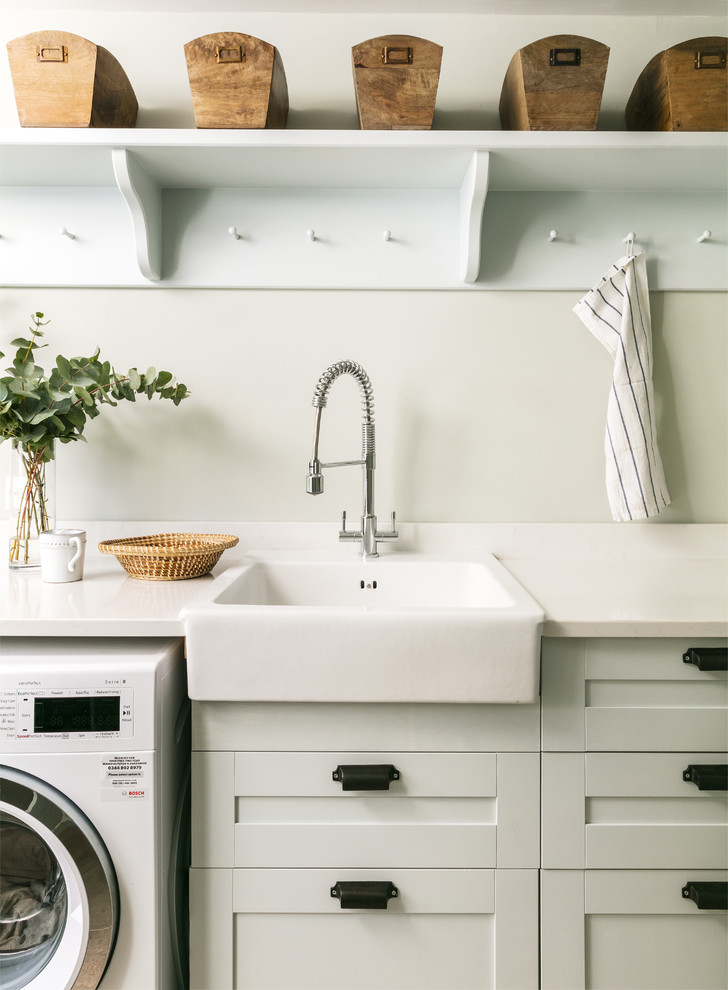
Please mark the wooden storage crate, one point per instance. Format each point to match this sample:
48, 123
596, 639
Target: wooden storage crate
63, 80
236, 80
396, 78
684, 88
554, 84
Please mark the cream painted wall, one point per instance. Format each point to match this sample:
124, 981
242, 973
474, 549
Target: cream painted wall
490, 405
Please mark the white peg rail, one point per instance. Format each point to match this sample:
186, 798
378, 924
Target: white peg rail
359, 209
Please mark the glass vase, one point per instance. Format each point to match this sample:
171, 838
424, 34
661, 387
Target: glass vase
32, 504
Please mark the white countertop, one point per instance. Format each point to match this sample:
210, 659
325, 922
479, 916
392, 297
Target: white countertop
591, 580
628, 598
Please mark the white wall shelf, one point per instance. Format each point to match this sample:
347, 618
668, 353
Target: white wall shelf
449, 198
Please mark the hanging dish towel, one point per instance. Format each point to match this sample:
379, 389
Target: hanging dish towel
617, 312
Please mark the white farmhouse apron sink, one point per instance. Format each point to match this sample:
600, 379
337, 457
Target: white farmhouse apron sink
404, 627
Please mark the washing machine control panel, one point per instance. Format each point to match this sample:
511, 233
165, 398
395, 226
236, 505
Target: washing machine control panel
79, 713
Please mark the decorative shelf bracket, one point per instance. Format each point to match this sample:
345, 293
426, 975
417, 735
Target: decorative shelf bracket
143, 196
472, 202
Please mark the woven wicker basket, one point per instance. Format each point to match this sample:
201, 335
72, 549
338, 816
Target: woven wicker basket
169, 556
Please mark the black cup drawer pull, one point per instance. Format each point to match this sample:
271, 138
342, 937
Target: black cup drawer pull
708, 777
373, 895
365, 777
709, 895
707, 657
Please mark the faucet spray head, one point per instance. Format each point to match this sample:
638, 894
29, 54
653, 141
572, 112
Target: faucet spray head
315, 479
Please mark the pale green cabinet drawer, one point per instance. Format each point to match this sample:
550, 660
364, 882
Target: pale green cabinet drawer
444, 810
632, 810
282, 929
630, 930
631, 695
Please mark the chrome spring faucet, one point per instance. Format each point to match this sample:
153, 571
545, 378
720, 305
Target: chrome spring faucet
368, 533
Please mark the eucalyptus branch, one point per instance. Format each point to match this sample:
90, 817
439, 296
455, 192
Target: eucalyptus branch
37, 409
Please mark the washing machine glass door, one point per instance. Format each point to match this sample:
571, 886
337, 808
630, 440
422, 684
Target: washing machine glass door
59, 901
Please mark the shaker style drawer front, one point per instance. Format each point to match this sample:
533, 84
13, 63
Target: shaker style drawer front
641, 810
445, 928
296, 810
633, 694
367, 810
642, 813
632, 929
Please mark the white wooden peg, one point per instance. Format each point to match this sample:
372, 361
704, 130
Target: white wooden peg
705, 236
387, 235
233, 231
629, 241
311, 235
553, 234
67, 233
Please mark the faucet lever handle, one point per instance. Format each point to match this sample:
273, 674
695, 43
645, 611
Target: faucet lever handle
392, 534
347, 534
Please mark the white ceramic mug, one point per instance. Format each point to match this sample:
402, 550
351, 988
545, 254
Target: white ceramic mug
62, 553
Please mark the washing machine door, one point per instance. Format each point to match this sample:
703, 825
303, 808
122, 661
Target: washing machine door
59, 899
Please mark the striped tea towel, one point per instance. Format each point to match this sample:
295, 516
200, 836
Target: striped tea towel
617, 312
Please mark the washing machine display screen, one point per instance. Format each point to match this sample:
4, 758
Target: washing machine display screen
91, 714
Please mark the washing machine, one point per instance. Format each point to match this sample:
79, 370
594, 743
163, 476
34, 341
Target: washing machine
94, 812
